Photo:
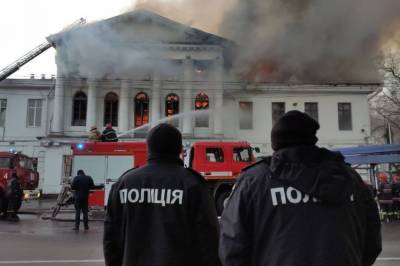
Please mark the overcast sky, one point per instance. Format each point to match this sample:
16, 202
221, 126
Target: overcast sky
24, 24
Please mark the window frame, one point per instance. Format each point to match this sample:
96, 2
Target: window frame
37, 111
341, 124
79, 121
246, 120
144, 111
274, 116
204, 120
3, 112
221, 150
316, 110
110, 105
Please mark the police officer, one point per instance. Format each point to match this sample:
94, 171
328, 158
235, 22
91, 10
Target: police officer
302, 206
81, 185
161, 214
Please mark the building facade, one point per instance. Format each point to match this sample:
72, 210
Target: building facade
189, 83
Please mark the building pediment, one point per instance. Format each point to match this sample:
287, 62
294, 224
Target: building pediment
142, 27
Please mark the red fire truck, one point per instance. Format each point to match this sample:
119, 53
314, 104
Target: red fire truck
219, 162
25, 168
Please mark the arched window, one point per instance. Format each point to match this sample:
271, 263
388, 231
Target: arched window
79, 109
172, 107
201, 103
141, 109
111, 109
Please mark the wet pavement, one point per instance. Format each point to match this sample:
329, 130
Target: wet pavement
34, 241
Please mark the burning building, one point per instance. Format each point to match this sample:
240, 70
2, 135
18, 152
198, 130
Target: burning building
142, 68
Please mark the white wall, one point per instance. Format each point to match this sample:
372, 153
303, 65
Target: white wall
16, 127
329, 134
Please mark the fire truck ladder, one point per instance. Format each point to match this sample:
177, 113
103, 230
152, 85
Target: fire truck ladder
23, 60
15, 66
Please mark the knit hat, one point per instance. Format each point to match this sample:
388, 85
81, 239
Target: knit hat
164, 140
294, 129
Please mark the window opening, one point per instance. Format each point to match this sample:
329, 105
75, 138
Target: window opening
141, 109
79, 109
215, 155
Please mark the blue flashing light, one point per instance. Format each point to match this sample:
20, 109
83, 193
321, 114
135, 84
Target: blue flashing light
80, 146
12, 150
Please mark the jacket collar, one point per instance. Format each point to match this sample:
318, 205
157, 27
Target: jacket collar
154, 158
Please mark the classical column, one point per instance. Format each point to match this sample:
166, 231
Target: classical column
187, 128
123, 108
58, 111
155, 100
91, 116
218, 96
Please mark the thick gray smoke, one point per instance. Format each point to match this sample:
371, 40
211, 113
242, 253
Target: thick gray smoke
307, 41
121, 47
311, 40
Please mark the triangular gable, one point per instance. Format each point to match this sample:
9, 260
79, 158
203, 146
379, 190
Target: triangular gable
141, 26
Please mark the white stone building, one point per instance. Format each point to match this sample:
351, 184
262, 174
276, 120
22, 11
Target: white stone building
190, 70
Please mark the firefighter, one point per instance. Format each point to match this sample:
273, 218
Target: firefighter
81, 185
302, 206
109, 134
94, 134
161, 214
14, 194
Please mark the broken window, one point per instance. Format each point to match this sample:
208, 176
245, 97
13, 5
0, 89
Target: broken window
202, 102
215, 155
79, 109
111, 109
172, 107
141, 109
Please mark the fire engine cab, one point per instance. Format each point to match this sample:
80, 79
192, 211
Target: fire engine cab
219, 162
25, 167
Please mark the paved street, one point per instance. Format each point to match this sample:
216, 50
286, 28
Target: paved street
34, 241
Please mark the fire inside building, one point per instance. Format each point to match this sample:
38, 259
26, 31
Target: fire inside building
140, 68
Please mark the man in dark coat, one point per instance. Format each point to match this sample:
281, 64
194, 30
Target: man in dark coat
303, 206
161, 214
109, 134
81, 185
14, 194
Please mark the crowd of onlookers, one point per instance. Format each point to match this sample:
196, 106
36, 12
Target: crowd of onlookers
388, 195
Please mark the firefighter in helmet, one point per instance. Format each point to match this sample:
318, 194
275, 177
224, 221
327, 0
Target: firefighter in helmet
109, 134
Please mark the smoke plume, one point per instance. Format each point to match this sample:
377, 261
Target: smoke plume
307, 41
311, 40
295, 40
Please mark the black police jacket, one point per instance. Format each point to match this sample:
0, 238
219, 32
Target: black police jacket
161, 214
82, 184
14, 190
302, 206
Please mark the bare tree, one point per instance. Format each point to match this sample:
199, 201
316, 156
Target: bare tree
385, 104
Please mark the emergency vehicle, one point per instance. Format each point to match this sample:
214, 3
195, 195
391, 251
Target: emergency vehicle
25, 168
219, 162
